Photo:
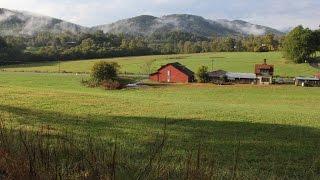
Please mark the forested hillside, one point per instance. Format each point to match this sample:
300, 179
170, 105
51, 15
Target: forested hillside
17, 23
148, 25
26, 37
51, 47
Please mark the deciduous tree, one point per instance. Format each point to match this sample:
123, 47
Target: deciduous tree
299, 45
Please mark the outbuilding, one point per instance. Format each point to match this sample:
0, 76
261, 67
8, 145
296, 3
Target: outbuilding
222, 77
241, 78
307, 81
264, 72
218, 77
173, 73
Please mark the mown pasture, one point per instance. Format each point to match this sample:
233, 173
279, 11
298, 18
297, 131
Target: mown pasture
240, 131
233, 61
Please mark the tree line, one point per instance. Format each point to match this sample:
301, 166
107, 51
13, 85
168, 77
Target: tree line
67, 46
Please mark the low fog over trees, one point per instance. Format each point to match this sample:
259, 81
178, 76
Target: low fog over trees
67, 46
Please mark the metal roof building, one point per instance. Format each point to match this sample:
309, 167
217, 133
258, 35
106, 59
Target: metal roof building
236, 75
307, 81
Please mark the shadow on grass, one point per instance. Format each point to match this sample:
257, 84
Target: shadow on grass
264, 150
157, 85
28, 64
315, 64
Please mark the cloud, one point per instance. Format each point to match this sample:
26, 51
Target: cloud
276, 13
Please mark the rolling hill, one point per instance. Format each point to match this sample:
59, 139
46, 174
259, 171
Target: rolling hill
25, 23
229, 61
17, 23
147, 25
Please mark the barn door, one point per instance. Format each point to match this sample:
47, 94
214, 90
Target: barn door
168, 76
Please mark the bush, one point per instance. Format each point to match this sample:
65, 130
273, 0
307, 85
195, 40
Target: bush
104, 74
202, 74
89, 83
104, 71
110, 84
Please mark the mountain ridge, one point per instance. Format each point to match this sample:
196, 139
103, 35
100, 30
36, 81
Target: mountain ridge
146, 25
13, 22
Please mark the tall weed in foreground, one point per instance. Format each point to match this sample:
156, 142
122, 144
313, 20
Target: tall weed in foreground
47, 155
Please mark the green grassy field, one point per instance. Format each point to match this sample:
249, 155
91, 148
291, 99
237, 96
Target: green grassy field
277, 126
238, 62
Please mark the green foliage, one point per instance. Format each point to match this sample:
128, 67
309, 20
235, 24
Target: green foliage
229, 61
110, 84
271, 42
229, 44
299, 45
3, 49
8, 52
261, 49
207, 127
317, 39
3, 43
102, 71
47, 47
202, 74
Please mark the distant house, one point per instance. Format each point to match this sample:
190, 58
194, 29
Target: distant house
307, 81
264, 72
221, 77
317, 75
173, 73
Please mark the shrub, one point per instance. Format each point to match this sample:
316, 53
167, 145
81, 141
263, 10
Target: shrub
110, 84
202, 74
89, 83
104, 74
104, 71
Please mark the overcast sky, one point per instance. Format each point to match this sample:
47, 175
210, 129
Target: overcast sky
279, 14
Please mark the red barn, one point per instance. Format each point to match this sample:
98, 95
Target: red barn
173, 73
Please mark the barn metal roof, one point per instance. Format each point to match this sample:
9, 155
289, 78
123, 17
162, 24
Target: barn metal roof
307, 78
236, 75
217, 74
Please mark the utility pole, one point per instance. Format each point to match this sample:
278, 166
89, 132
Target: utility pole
212, 64
59, 64
57, 56
68, 44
